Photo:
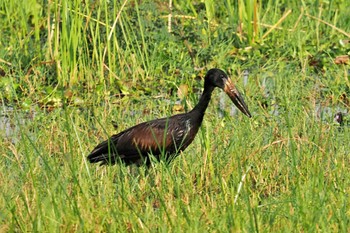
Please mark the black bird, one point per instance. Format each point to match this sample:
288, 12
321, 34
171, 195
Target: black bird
165, 136
338, 117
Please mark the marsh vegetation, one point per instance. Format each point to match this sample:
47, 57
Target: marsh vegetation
71, 70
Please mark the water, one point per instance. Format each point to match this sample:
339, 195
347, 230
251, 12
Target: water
5, 122
11, 121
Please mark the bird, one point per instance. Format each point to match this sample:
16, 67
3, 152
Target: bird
342, 119
338, 117
164, 138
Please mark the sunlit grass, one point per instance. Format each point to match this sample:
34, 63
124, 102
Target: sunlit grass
285, 169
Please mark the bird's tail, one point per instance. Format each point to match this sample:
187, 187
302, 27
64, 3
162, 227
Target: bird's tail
102, 153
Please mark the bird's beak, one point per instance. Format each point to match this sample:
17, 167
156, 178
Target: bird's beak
236, 97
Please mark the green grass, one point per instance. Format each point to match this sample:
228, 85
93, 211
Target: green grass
64, 66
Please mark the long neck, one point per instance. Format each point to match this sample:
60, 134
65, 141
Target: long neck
203, 101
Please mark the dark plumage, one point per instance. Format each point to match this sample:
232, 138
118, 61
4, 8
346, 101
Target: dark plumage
165, 136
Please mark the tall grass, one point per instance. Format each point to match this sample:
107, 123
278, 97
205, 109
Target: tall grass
63, 66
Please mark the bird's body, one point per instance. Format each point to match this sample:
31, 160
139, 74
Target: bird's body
166, 136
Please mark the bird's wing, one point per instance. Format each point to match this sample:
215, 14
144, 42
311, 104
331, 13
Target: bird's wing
135, 142
170, 134
145, 137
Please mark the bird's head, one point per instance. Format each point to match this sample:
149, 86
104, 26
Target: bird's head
218, 78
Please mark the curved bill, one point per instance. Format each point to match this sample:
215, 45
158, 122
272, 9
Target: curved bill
236, 97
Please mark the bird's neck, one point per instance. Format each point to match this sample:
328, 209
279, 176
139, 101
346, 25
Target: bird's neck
203, 101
